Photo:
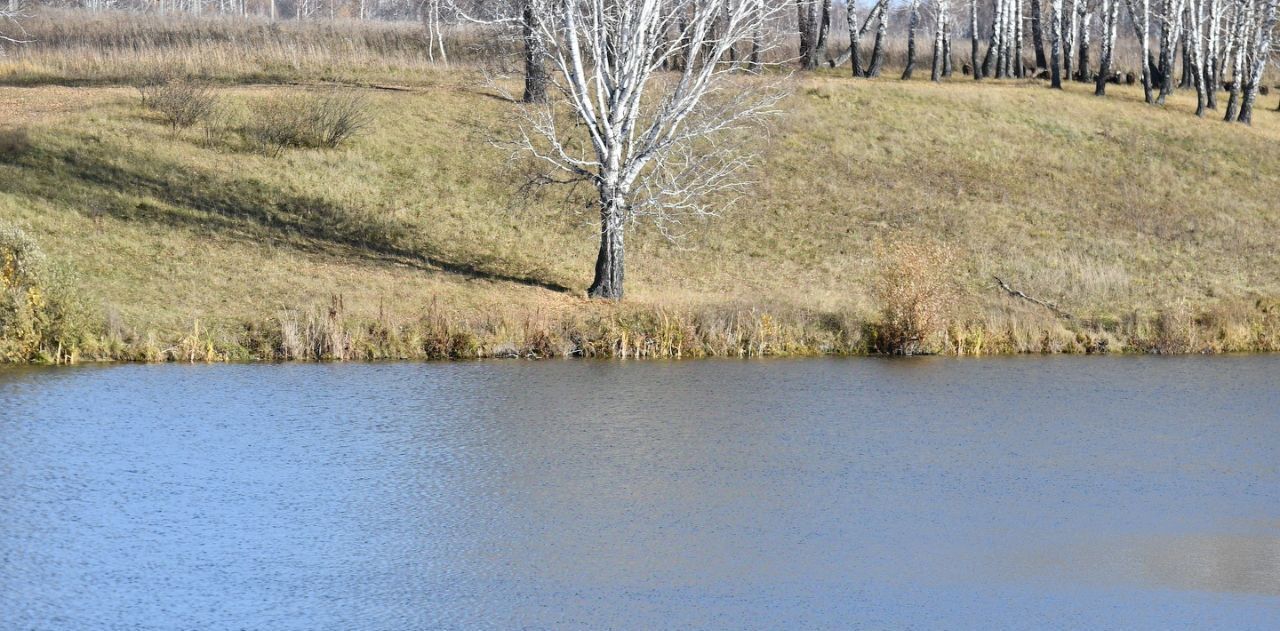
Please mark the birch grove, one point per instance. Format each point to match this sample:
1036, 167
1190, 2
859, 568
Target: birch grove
1220, 49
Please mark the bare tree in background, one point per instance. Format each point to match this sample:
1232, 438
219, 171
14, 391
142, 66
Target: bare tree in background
973, 40
1055, 44
1110, 16
11, 28
535, 68
1170, 16
1253, 50
1019, 69
878, 47
813, 19
1266, 26
1194, 45
1144, 43
1084, 73
1237, 47
1215, 11
754, 63
653, 144
1067, 32
939, 47
913, 22
855, 36
1037, 34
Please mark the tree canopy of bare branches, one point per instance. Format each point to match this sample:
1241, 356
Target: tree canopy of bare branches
654, 143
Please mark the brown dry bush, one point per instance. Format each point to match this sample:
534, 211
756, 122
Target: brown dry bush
181, 102
308, 121
916, 293
14, 141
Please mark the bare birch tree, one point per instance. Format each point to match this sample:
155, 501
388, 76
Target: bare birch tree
878, 47
1084, 70
1212, 67
535, 68
813, 19
1067, 24
1260, 27
1019, 64
1237, 47
1037, 34
1055, 44
911, 40
973, 40
653, 145
1194, 45
1110, 15
939, 48
856, 32
1170, 16
1145, 45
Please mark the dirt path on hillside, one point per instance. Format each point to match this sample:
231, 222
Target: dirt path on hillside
21, 106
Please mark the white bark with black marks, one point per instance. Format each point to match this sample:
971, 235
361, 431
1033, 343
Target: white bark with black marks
1067, 25
1260, 51
1238, 47
1110, 16
661, 146
939, 43
1195, 47
1083, 67
1211, 67
878, 48
1055, 44
914, 21
1019, 66
1145, 45
1037, 34
1170, 17
973, 40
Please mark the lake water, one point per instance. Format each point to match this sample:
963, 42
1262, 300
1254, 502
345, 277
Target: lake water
864, 493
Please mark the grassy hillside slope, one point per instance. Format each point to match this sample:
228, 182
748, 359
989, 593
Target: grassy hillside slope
1154, 229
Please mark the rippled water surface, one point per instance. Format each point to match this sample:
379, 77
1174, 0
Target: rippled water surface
934, 493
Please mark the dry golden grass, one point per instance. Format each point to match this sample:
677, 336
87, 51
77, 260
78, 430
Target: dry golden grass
68, 47
1155, 230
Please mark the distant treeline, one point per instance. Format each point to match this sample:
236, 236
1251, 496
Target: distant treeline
1219, 49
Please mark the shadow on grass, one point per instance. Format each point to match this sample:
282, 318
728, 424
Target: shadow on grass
141, 188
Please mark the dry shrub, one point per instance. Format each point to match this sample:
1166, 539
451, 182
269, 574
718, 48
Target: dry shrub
308, 121
14, 141
181, 102
315, 334
915, 290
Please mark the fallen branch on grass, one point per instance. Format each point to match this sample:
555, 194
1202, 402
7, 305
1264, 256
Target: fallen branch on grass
1047, 305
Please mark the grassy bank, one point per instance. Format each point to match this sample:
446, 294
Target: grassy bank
1149, 230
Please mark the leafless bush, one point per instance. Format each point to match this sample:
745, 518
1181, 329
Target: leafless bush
308, 121
147, 83
916, 292
180, 102
14, 141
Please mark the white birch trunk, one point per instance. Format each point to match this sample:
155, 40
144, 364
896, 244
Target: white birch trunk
1145, 46
652, 144
1110, 14
1237, 47
1055, 44
939, 48
1260, 53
